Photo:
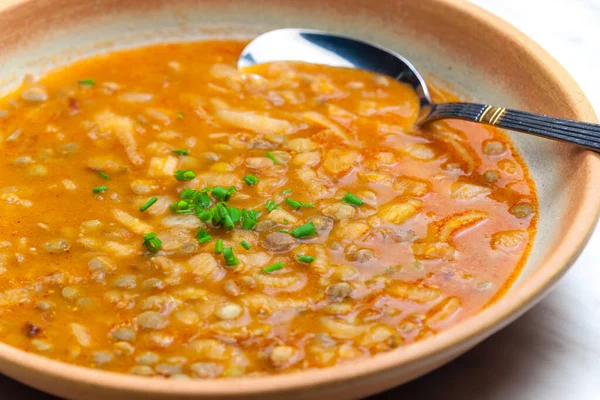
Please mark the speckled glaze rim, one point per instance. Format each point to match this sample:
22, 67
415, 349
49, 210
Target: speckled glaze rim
444, 345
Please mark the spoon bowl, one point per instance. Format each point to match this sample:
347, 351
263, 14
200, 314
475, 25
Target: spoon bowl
320, 47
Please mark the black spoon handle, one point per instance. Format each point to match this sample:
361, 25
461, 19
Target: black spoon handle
580, 133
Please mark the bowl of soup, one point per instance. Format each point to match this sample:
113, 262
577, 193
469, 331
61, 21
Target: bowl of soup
176, 227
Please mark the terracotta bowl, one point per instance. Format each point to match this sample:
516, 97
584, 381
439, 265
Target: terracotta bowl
456, 42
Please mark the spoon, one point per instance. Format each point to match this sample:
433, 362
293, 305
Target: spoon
319, 47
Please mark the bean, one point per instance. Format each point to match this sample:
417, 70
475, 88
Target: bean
168, 369
124, 348
229, 311
279, 242
281, 356
364, 256
56, 246
70, 293
102, 357
41, 345
206, 369
493, 147
521, 210
125, 282
123, 334
231, 288
142, 370
265, 225
152, 320
490, 176
34, 94
339, 291
187, 317
147, 358
153, 283
44, 305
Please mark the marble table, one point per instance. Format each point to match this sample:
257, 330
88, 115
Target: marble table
553, 351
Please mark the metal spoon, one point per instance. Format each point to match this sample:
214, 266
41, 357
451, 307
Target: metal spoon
318, 47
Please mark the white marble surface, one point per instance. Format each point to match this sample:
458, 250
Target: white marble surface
552, 352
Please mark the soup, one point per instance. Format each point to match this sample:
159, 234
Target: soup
165, 214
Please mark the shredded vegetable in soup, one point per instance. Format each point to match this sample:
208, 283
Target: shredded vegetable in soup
165, 214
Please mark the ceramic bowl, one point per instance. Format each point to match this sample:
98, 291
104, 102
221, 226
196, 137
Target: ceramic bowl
453, 41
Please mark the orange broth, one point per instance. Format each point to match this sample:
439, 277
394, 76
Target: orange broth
438, 224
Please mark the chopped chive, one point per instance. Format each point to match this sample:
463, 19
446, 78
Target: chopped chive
271, 205
248, 223
351, 199
204, 239
228, 222
184, 175
273, 267
286, 191
223, 194
183, 207
273, 158
148, 204
309, 205
250, 179
201, 233
253, 214
306, 259
180, 116
149, 236
245, 245
304, 231
181, 152
219, 246
295, 204
235, 214
284, 231
100, 189
86, 82
151, 242
104, 176
230, 258
205, 215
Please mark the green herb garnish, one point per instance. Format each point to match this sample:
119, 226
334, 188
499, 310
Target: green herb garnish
248, 224
151, 242
273, 267
221, 193
271, 205
104, 176
245, 245
86, 82
230, 258
235, 214
204, 239
184, 175
250, 180
219, 246
181, 152
180, 116
306, 259
351, 199
273, 158
100, 189
148, 204
304, 231
286, 191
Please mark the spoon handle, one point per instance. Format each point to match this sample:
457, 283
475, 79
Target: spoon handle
580, 133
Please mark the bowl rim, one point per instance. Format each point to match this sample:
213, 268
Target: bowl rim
463, 335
